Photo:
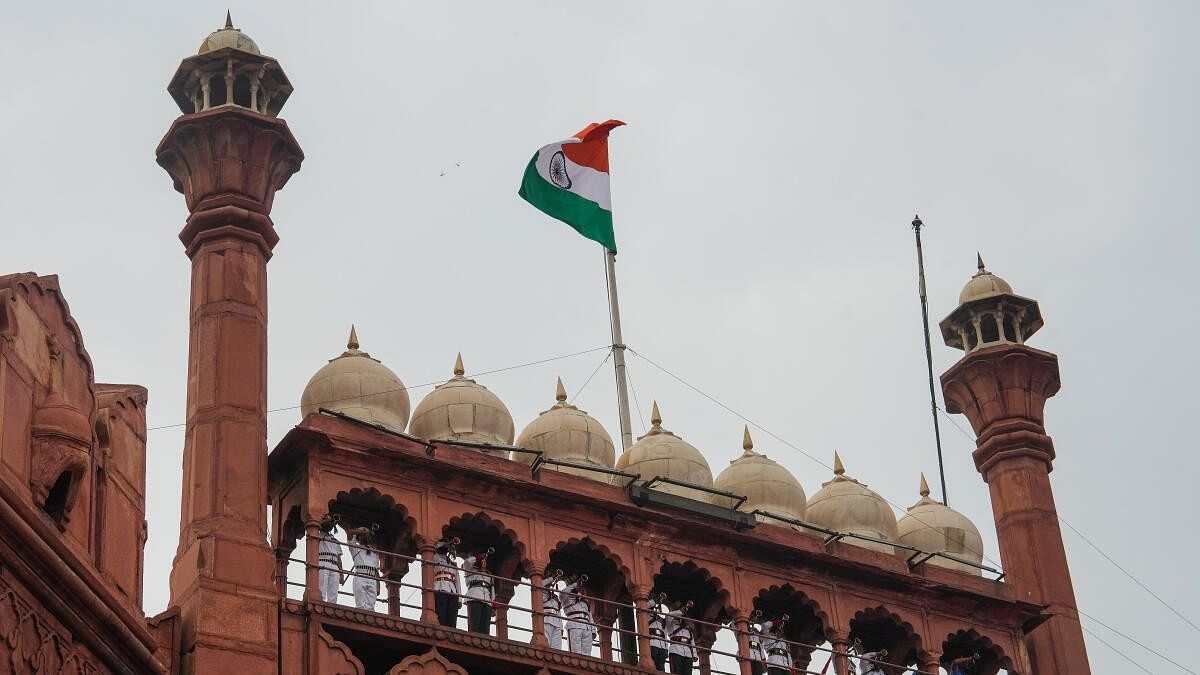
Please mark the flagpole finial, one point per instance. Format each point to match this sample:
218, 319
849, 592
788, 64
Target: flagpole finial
352, 343
459, 371
924, 485
228, 19
655, 415
916, 222
747, 442
560, 392
838, 467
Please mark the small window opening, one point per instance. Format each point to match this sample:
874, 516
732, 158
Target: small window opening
56, 499
972, 340
216, 91
241, 91
989, 329
1010, 330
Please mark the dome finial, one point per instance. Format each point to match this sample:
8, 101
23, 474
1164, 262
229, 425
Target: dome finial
979, 259
747, 443
838, 468
924, 485
655, 415
560, 392
228, 19
352, 343
459, 371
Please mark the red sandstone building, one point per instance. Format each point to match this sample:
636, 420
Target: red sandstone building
72, 486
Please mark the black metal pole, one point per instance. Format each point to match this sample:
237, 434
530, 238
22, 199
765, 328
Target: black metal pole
933, 407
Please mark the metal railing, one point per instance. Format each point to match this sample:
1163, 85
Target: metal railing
605, 632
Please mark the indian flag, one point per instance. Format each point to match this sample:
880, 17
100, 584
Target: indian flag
568, 180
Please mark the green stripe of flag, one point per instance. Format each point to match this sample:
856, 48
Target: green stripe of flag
585, 216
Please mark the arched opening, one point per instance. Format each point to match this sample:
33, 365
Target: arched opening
58, 497
216, 91
989, 328
477, 533
1010, 329
684, 583
241, 91
806, 623
608, 591
970, 653
877, 630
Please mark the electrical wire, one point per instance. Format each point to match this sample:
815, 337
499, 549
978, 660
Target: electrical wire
1134, 641
636, 404
419, 386
1118, 651
589, 378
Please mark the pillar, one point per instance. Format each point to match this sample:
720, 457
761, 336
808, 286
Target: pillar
930, 663
1002, 390
392, 584
741, 627
841, 662
312, 555
605, 633
642, 614
428, 607
537, 611
228, 164
504, 595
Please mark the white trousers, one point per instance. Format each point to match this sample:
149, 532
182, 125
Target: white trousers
580, 637
554, 631
329, 580
365, 593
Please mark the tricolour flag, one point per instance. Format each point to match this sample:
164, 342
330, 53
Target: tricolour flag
568, 180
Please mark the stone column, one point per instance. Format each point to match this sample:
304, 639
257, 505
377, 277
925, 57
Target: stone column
705, 638
312, 550
537, 611
642, 615
931, 663
228, 163
282, 554
841, 663
1002, 390
428, 606
392, 584
605, 633
741, 627
504, 595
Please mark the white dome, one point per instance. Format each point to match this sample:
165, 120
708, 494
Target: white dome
661, 453
228, 37
934, 527
846, 505
567, 433
463, 410
359, 386
765, 484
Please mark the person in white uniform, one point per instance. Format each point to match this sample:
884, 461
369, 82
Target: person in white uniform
479, 593
329, 561
445, 583
659, 646
580, 631
871, 663
552, 609
758, 658
366, 567
779, 657
682, 649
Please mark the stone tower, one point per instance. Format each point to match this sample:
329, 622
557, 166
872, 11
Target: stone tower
1001, 385
227, 153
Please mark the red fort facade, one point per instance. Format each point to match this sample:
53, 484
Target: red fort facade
728, 552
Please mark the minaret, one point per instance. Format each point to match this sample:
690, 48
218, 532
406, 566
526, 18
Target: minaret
228, 154
1001, 385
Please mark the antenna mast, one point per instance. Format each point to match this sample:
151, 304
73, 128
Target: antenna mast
933, 407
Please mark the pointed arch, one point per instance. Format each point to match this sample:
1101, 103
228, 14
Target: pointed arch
968, 642
880, 628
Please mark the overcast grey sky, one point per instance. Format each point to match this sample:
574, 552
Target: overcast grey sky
762, 190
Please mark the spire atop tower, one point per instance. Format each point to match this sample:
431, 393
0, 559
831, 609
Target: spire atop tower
560, 392
655, 415
979, 259
838, 468
228, 20
924, 485
459, 371
747, 442
352, 342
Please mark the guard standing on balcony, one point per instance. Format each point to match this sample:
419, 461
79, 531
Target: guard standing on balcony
682, 649
479, 592
366, 567
758, 657
580, 631
329, 561
871, 663
445, 583
779, 657
963, 665
658, 633
552, 606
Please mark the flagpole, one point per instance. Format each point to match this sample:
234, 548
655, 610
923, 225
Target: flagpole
618, 348
933, 407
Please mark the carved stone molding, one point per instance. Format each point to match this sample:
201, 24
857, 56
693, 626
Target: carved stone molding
429, 663
29, 643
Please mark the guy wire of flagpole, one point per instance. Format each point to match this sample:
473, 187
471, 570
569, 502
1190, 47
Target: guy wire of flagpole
937, 432
618, 348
